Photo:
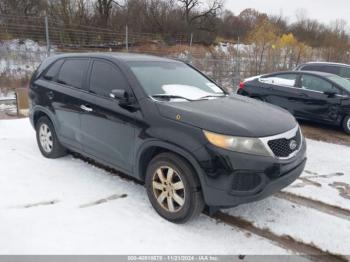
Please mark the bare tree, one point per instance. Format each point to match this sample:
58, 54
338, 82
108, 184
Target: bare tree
104, 9
193, 11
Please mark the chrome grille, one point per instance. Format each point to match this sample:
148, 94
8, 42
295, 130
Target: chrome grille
284, 147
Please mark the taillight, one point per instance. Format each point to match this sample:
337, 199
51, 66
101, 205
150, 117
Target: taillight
241, 85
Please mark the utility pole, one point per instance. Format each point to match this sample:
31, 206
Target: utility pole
237, 76
127, 38
190, 51
48, 47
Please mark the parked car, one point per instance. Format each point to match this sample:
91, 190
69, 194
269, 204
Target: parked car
166, 124
342, 70
314, 96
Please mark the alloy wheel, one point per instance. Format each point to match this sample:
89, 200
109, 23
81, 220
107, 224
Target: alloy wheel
45, 137
168, 189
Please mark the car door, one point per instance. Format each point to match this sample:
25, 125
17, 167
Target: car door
314, 103
60, 86
281, 89
71, 80
109, 128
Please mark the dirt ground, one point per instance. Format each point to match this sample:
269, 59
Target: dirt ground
326, 133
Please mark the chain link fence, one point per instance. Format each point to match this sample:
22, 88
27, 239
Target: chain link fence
26, 41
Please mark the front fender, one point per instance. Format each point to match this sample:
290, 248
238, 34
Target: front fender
139, 173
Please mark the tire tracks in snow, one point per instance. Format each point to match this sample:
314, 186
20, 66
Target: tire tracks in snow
315, 204
309, 251
287, 242
42, 203
103, 200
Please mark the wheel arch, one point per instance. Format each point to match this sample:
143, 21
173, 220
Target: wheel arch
40, 111
152, 148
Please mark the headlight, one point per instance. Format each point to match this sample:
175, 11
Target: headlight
246, 145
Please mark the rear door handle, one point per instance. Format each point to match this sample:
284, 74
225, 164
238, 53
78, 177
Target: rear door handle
86, 108
50, 95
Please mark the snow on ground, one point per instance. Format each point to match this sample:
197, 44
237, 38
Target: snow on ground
7, 95
304, 224
327, 174
67, 223
122, 226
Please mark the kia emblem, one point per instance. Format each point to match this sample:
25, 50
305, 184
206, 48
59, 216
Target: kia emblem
293, 145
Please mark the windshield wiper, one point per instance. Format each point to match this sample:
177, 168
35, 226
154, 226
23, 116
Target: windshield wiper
171, 96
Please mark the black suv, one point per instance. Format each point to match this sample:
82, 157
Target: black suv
164, 123
342, 70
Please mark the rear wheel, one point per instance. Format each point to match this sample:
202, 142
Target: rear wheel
173, 188
346, 124
47, 140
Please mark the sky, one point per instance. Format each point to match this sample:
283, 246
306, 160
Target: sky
324, 11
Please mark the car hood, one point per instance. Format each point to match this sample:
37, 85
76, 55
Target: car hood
233, 115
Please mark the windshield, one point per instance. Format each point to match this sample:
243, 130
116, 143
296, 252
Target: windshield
174, 80
344, 83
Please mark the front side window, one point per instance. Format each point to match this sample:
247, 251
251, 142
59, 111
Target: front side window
288, 80
72, 72
174, 79
316, 84
105, 77
344, 72
53, 70
344, 83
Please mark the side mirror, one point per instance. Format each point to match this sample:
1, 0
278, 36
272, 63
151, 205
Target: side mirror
122, 96
330, 93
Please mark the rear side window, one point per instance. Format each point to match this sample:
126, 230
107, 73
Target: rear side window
53, 70
72, 72
322, 68
288, 80
331, 69
311, 68
105, 77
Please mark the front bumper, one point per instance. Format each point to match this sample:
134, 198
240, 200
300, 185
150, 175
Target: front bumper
240, 178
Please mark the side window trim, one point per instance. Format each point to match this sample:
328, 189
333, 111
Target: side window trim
92, 62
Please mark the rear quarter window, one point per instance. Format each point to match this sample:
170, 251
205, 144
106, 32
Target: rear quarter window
52, 72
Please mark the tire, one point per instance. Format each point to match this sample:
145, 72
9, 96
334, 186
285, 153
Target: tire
47, 140
172, 208
346, 124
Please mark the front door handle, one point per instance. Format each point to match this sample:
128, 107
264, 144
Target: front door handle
86, 108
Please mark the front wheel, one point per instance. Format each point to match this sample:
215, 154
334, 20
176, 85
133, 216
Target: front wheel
346, 124
173, 188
